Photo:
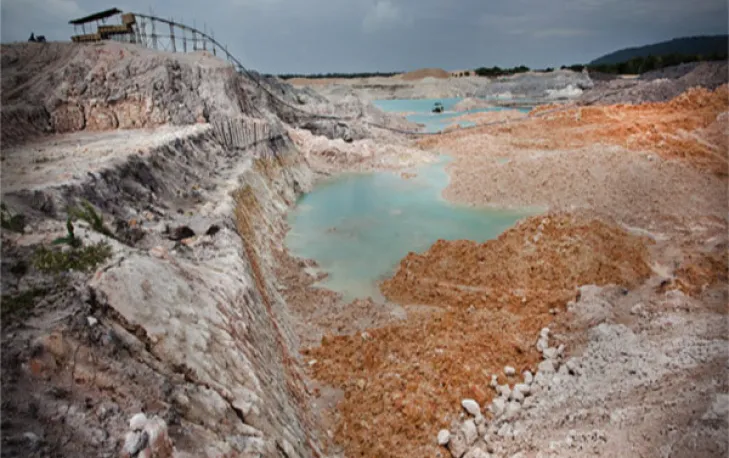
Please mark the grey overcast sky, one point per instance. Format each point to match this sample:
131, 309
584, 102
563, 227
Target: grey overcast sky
308, 36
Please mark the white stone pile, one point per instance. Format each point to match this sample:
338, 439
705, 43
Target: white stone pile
147, 438
463, 439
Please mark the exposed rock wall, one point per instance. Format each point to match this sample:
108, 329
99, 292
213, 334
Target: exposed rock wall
208, 314
194, 333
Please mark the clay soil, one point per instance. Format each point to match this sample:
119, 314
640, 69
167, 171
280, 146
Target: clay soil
689, 128
487, 303
634, 194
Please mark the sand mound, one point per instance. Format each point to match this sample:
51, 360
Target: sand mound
425, 73
487, 302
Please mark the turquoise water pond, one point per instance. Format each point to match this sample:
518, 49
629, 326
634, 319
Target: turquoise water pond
420, 111
359, 226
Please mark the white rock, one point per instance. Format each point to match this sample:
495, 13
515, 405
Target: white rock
494, 381
539, 379
546, 367
135, 442
549, 353
560, 350
470, 431
528, 377
505, 430
509, 371
573, 367
476, 453
479, 419
512, 409
542, 344
544, 333
137, 422
498, 406
482, 428
92, 321
457, 445
471, 407
444, 436
517, 396
523, 388
527, 402
504, 390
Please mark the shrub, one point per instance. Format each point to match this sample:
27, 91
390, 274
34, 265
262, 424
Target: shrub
79, 258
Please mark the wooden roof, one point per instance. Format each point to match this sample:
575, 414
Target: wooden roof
96, 16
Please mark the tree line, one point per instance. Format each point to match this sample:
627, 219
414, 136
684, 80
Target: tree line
636, 65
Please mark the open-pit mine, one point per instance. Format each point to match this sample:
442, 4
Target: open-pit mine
199, 261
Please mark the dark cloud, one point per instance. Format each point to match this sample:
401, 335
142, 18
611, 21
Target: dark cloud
360, 35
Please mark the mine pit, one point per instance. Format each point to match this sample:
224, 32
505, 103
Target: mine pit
198, 260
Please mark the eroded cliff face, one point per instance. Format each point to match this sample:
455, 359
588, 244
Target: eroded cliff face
189, 329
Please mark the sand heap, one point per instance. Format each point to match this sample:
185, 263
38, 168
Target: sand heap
425, 73
402, 383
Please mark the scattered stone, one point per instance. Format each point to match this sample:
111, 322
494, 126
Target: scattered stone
573, 367
528, 377
479, 419
457, 444
477, 453
137, 422
528, 402
512, 409
498, 406
550, 353
470, 431
494, 381
517, 396
482, 428
509, 371
135, 442
505, 430
92, 321
546, 367
444, 436
504, 391
523, 388
471, 407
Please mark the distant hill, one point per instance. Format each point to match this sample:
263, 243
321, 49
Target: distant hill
688, 46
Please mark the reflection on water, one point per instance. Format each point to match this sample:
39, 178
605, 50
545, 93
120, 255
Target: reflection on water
359, 226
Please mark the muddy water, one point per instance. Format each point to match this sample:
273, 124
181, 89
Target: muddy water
359, 226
